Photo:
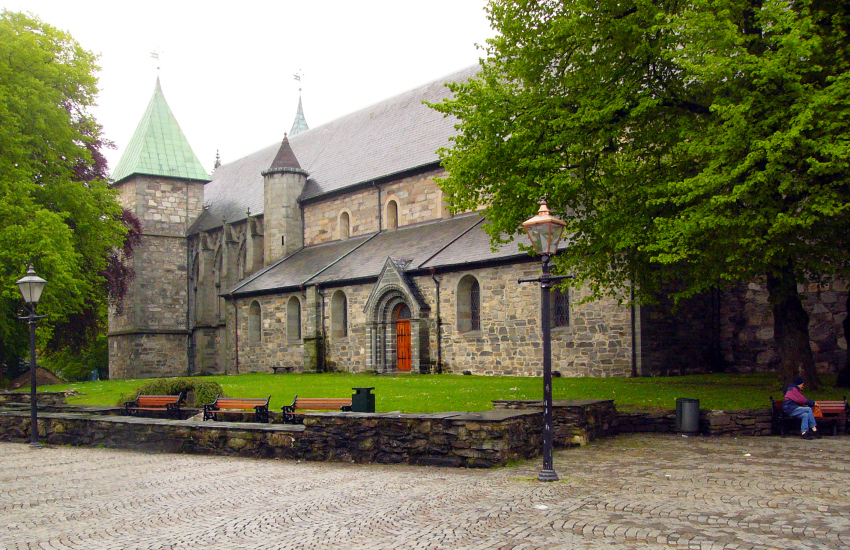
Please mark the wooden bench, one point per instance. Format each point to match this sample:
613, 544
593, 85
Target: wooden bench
169, 404
291, 414
834, 414
284, 369
239, 405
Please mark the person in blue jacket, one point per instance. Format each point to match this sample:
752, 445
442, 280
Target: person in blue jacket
799, 406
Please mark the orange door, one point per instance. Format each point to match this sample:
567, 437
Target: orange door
403, 341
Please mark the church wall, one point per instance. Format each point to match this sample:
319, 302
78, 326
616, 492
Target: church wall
274, 348
321, 219
596, 343
166, 206
684, 342
746, 323
349, 353
418, 199
142, 355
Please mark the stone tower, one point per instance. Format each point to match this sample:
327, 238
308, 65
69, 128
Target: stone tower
283, 183
161, 181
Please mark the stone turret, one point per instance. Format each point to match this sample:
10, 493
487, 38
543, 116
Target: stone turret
283, 184
161, 181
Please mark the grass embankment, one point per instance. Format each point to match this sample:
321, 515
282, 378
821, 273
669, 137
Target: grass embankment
438, 393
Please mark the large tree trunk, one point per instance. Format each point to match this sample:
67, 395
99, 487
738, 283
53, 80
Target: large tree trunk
791, 328
843, 380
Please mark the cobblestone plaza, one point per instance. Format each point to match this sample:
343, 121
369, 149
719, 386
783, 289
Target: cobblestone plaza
629, 492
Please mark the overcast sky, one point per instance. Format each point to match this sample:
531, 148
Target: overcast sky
227, 67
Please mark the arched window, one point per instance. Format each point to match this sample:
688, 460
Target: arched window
468, 304
293, 319
392, 215
560, 307
344, 226
255, 323
339, 315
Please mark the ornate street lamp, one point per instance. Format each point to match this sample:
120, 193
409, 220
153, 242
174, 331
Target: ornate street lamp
31, 287
545, 231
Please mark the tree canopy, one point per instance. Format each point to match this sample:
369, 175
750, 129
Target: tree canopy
698, 143
56, 208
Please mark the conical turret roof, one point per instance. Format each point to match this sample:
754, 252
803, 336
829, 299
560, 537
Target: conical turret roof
300, 123
285, 160
158, 146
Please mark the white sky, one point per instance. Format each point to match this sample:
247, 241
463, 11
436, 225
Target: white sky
226, 67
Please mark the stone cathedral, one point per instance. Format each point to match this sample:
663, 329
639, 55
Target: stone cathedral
334, 250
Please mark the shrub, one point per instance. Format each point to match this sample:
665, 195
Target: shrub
206, 391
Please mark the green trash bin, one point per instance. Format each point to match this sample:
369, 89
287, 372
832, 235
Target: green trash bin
687, 415
363, 401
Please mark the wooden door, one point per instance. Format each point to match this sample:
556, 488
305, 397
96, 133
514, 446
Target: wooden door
403, 338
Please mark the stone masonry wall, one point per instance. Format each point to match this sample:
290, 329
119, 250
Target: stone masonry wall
142, 337
574, 421
274, 348
711, 422
746, 337
147, 355
348, 353
418, 199
596, 343
477, 440
684, 342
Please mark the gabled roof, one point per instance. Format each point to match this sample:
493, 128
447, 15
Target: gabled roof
158, 146
394, 273
391, 137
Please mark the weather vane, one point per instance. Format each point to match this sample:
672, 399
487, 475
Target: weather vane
297, 76
155, 55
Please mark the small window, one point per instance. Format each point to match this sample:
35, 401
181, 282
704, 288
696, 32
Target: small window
339, 315
560, 307
293, 319
344, 226
468, 304
255, 322
392, 215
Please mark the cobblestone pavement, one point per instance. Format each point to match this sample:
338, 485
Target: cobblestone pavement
630, 492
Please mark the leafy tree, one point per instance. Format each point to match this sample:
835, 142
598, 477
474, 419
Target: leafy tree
56, 209
691, 143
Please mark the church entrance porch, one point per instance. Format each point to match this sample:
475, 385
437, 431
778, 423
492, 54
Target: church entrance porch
397, 318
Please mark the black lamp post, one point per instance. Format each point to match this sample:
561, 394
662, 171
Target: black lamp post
31, 287
545, 232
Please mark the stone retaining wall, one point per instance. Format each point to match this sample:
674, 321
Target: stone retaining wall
574, 421
711, 422
477, 440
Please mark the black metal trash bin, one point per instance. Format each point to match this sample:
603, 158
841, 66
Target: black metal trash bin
363, 401
687, 415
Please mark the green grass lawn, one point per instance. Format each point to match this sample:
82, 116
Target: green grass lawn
437, 393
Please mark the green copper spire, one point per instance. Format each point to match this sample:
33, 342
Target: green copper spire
158, 147
300, 124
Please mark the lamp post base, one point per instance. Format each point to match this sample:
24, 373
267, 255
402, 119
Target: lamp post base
547, 475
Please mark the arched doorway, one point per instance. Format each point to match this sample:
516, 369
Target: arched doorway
401, 316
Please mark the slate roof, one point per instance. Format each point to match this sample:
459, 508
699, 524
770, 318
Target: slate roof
390, 137
298, 268
413, 242
158, 146
438, 243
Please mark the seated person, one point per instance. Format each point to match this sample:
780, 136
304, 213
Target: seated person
799, 406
